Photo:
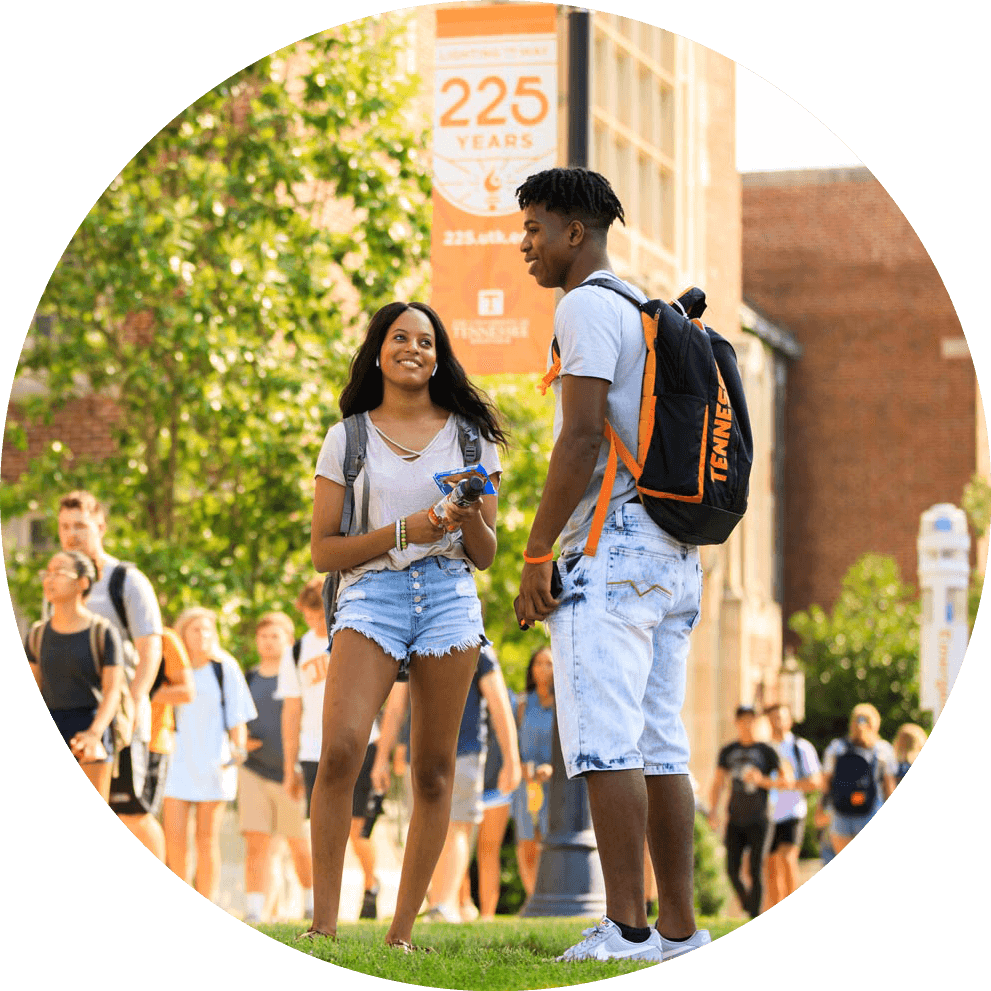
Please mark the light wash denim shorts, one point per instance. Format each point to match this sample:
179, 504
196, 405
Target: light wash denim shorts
620, 640
843, 824
430, 608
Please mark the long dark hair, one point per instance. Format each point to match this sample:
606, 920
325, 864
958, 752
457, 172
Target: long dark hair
449, 388
531, 685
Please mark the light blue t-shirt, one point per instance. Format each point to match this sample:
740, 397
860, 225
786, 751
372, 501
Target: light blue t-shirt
201, 768
600, 335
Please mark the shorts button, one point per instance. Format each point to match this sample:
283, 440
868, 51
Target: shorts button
416, 598
416, 584
416, 574
419, 609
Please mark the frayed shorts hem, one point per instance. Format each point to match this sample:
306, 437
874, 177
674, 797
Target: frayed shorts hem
369, 633
576, 768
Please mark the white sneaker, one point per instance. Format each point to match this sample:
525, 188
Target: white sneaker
604, 941
673, 949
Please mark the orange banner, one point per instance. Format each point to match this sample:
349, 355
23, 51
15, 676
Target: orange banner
495, 123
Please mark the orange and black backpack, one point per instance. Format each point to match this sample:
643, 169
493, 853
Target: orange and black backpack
694, 446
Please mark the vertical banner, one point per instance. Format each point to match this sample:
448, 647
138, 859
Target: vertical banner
495, 123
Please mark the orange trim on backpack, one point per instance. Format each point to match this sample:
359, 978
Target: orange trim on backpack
605, 493
552, 373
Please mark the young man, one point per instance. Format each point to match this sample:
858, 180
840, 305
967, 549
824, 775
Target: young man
136, 794
620, 629
789, 807
748, 764
265, 808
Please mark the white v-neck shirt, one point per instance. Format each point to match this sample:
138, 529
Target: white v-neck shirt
400, 488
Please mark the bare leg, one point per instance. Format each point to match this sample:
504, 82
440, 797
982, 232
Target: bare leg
302, 860
148, 830
618, 803
670, 833
438, 690
528, 860
775, 878
175, 818
451, 866
209, 816
100, 774
488, 853
789, 868
257, 866
364, 850
359, 678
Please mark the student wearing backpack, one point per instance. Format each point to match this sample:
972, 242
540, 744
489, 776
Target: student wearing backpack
858, 775
123, 595
75, 659
620, 625
406, 598
210, 744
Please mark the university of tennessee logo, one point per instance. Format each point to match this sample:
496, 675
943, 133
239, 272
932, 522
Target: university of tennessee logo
718, 459
313, 670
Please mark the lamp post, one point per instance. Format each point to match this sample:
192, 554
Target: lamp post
944, 575
569, 878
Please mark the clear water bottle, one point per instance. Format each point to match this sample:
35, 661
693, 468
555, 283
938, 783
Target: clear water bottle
467, 491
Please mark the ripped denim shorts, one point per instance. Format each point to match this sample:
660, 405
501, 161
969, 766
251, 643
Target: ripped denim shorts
430, 608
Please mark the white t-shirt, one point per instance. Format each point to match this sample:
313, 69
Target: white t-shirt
306, 681
600, 335
200, 768
792, 804
400, 488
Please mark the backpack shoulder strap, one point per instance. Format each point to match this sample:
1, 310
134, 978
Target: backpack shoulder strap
297, 648
469, 440
97, 639
115, 588
354, 461
218, 672
35, 635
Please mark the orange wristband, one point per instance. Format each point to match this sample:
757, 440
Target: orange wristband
538, 560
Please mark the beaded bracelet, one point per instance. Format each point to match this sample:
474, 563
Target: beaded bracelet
402, 534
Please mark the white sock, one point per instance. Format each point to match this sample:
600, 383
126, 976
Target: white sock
308, 902
256, 904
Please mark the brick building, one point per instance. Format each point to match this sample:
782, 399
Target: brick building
882, 415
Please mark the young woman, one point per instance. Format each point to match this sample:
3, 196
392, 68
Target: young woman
82, 702
406, 595
907, 743
864, 740
535, 718
210, 741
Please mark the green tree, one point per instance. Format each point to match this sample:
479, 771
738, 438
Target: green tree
865, 650
976, 502
215, 291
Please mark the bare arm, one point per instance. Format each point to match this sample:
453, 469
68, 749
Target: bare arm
36, 671
149, 651
292, 717
88, 744
718, 783
573, 459
493, 689
179, 692
392, 721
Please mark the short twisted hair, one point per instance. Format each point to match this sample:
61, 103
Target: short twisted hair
578, 193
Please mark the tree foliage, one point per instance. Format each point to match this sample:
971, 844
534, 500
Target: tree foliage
215, 291
865, 650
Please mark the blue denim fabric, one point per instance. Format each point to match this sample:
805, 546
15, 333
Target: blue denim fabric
848, 825
620, 640
430, 608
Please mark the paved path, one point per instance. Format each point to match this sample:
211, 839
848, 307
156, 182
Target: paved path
388, 838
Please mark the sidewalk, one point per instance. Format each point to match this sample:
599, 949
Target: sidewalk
806, 869
388, 838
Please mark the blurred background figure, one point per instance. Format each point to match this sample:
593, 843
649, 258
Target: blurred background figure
858, 775
266, 810
210, 743
907, 743
535, 722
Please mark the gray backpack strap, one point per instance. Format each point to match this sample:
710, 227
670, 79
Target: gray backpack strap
468, 438
354, 462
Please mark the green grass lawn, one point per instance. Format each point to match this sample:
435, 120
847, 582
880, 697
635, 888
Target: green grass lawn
509, 954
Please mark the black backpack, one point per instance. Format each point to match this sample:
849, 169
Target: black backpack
695, 446
853, 788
